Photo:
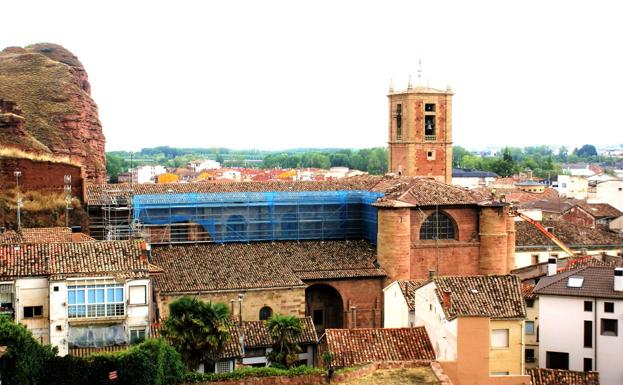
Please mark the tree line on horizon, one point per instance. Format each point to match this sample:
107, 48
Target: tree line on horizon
543, 161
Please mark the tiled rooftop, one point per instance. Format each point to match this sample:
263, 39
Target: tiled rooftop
601, 210
495, 296
408, 290
44, 235
359, 346
562, 377
58, 260
598, 282
527, 291
212, 267
409, 190
256, 334
569, 233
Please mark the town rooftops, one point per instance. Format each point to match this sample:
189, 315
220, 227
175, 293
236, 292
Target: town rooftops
351, 347
60, 260
494, 296
408, 190
571, 234
256, 334
214, 267
601, 210
540, 376
44, 235
586, 281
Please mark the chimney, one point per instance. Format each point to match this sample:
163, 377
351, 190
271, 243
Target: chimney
551, 266
447, 299
145, 251
618, 279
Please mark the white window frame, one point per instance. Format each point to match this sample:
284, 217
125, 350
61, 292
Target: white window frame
500, 338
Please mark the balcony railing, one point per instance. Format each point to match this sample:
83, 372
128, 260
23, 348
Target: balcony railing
430, 138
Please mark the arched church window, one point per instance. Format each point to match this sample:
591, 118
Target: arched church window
437, 226
265, 313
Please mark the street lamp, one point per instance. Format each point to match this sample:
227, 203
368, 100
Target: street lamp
19, 200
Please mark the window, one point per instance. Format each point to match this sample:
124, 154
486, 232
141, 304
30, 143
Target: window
265, 313
398, 121
499, 373
224, 366
437, 226
56, 288
557, 360
430, 155
588, 334
33, 311
608, 307
529, 355
529, 327
530, 303
429, 127
588, 364
96, 300
318, 317
429, 107
609, 327
137, 335
499, 338
138, 295
575, 282
535, 259
588, 305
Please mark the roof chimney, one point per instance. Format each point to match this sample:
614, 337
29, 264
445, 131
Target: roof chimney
551, 266
618, 279
447, 299
145, 251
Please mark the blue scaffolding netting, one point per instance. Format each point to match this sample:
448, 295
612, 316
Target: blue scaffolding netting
262, 216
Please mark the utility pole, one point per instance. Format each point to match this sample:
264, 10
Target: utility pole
19, 201
67, 189
240, 297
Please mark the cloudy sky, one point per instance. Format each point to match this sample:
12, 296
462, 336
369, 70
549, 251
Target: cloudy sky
284, 74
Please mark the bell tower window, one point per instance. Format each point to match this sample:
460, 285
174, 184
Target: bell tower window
399, 122
430, 132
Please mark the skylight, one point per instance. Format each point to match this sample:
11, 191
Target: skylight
575, 282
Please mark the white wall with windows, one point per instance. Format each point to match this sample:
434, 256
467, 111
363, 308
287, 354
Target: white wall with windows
97, 312
585, 332
396, 312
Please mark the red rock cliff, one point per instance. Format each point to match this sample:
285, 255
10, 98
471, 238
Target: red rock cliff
51, 87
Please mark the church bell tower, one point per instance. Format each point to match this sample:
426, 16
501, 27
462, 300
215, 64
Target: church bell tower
420, 132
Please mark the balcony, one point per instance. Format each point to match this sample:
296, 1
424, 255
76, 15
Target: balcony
430, 138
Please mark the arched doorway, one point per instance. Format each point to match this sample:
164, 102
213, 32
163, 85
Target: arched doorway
324, 304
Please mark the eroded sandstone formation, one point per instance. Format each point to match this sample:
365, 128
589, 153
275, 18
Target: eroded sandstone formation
51, 88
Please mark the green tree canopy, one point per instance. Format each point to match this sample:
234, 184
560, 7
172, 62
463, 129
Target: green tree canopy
196, 329
284, 330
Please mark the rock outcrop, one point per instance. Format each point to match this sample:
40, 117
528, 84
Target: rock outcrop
51, 88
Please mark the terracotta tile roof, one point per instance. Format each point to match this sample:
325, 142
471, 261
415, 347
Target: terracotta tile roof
540, 376
551, 205
515, 195
359, 346
256, 334
563, 264
44, 235
408, 290
598, 281
495, 296
59, 260
601, 210
212, 267
571, 234
409, 190
527, 291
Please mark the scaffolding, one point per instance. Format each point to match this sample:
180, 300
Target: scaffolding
256, 216
117, 222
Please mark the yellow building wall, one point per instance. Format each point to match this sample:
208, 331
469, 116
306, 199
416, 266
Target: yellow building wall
507, 359
288, 301
168, 178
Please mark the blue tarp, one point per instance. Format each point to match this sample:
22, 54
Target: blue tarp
262, 216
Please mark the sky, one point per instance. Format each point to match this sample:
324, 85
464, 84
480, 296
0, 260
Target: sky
287, 74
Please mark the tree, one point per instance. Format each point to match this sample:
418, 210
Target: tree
196, 329
458, 153
24, 361
285, 331
586, 151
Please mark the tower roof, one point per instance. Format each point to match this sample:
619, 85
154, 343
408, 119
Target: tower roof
423, 90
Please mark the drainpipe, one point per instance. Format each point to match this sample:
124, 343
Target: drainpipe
595, 327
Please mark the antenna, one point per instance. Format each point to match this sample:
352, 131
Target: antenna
419, 72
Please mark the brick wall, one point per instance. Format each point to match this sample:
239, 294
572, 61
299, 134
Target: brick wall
579, 217
41, 175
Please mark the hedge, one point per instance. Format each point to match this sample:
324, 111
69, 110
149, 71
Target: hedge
252, 372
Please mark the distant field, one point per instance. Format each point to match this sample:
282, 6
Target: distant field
414, 376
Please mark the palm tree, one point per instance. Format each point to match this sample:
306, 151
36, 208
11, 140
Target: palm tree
196, 329
285, 331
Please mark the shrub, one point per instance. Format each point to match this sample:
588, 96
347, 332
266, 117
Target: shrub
252, 372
